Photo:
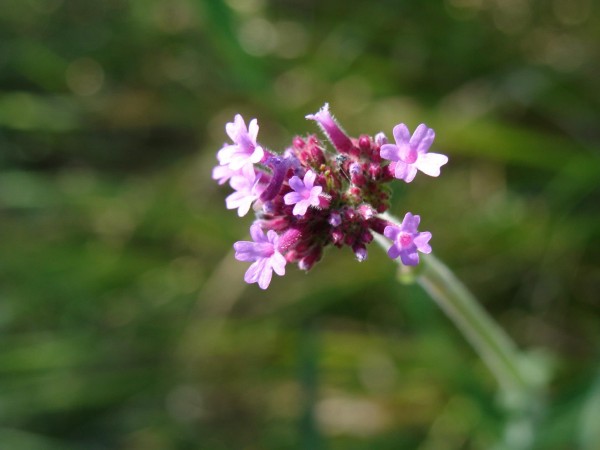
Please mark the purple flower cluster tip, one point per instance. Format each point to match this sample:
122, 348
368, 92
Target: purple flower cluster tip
309, 198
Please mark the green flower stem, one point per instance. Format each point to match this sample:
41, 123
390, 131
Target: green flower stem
490, 341
522, 378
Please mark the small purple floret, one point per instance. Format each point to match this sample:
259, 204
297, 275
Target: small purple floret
407, 240
244, 149
247, 190
410, 153
305, 193
263, 254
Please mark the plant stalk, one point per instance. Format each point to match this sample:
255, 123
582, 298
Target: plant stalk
491, 342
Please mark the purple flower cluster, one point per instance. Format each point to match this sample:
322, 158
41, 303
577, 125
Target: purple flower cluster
309, 197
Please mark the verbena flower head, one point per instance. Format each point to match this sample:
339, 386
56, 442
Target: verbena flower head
308, 197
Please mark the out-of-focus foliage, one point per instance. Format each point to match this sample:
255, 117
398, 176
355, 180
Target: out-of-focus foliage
124, 321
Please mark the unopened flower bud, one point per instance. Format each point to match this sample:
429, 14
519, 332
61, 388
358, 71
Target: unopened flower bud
364, 143
356, 175
360, 251
311, 259
335, 220
365, 211
380, 139
334, 132
375, 171
366, 237
324, 201
337, 237
298, 143
378, 225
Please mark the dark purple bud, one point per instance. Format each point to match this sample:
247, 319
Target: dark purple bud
365, 211
324, 201
349, 239
383, 207
298, 143
356, 174
316, 155
378, 225
375, 171
335, 220
364, 143
360, 251
337, 237
311, 259
375, 155
278, 223
366, 237
292, 256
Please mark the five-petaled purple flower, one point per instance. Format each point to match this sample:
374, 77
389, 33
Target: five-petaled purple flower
410, 153
308, 198
263, 254
407, 240
305, 193
244, 149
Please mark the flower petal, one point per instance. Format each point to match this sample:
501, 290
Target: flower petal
406, 172
297, 184
426, 141
291, 198
401, 134
257, 155
245, 251
422, 138
257, 233
391, 232
389, 151
253, 129
410, 257
254, 271
393, 252
410, 223
264, 277
300, 208
234, 128
422, 242
309, 179
430, 163
278, 263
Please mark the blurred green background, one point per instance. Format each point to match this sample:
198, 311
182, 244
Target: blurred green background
124, 320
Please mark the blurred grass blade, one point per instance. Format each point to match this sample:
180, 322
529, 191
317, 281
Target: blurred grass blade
589, 432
